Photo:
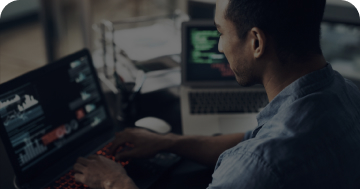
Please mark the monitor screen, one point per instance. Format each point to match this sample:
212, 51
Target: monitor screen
204, 62
341, 47
43, 115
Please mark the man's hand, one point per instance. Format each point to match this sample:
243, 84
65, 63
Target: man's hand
99, 172
203, 149
146, 144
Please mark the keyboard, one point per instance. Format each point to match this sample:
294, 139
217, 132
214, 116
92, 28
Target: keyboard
68, 180
227, 102
143, 172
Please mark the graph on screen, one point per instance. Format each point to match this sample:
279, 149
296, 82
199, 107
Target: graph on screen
31, 150
19, 108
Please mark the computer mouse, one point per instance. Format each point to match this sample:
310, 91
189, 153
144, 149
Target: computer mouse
154, 124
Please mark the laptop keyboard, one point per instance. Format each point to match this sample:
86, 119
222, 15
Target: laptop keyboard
68, 180
143, 172
227, 102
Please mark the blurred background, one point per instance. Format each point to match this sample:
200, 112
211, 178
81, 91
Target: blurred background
36, 32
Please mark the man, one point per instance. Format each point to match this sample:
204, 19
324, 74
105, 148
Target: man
309, 134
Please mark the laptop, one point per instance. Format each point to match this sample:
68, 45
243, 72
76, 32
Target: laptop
51, 116
212, 102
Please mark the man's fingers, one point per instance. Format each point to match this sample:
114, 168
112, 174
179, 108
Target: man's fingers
82, 161
115, 146
79, 177
119, 141
79, 168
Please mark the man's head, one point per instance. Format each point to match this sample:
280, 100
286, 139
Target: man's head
254, 32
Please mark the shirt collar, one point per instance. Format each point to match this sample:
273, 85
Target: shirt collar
302, 86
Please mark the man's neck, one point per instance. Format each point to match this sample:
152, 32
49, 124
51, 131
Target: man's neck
279, 76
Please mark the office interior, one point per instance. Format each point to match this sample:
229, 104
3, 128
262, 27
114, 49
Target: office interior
34, 33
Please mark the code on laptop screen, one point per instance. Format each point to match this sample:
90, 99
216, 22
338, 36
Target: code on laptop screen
44, 115
204, 61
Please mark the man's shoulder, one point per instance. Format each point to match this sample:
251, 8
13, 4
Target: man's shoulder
337, 102
338, 90
292, 157
311, 125
312, 136
310, 132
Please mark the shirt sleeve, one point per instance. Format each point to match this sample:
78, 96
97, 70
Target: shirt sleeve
247, 136
243, 171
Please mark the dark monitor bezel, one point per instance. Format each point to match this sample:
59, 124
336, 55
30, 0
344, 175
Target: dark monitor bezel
106, 126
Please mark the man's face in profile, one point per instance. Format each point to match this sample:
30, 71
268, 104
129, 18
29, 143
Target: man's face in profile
234, 48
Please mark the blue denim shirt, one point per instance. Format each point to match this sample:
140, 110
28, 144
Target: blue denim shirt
307, 137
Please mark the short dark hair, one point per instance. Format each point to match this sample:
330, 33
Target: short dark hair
294, 24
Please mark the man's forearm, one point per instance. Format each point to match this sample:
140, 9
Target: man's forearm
202, 149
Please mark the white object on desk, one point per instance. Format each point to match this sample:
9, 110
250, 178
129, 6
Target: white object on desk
154, 124
162, 79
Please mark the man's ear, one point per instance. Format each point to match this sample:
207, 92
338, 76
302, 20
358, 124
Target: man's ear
258, 42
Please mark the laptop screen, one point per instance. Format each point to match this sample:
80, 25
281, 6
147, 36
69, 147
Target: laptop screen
204, 62
44, 113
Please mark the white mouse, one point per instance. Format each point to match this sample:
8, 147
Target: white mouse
154, 124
